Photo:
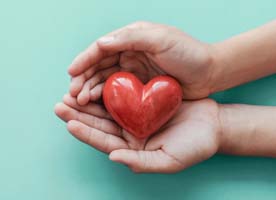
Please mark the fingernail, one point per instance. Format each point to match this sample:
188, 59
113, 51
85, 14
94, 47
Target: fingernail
106, 39
112, 156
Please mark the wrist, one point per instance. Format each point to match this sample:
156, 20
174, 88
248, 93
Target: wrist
247, 130
223, 118
234, 125
217, 67
204, 76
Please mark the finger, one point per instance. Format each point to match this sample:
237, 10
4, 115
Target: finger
91, 56
96, 92
94, 54
95, 138
84, 96
67, 113
62, 112
141, 36
130, 63
91, 108
102, 75
77, 82
145, 161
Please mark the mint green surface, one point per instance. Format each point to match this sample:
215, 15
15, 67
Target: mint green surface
39, 159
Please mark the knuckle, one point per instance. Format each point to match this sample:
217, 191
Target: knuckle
144, 160
128, 31
141, 24
78, 116
109, 61
138, 25
90, 137
99, 124
106, 143
86, 75
93, 121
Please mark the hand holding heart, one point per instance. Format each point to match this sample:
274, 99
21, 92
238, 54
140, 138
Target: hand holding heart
146, 50
137, 109
177, 146
157, 50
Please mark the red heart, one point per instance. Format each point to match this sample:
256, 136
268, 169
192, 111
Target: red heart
141, 109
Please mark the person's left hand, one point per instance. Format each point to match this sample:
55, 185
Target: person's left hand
192, 136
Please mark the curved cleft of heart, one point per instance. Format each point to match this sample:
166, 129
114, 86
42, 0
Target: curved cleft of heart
141, 109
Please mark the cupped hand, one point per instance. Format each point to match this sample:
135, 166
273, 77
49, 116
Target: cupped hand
147, 50
192, 136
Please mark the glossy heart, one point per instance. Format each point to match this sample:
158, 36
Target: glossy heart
141, 109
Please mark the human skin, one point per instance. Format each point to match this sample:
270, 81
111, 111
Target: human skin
199, 130
148, 49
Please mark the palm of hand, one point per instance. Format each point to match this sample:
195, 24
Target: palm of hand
190, 137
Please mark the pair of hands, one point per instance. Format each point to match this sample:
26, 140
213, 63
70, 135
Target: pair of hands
147, 50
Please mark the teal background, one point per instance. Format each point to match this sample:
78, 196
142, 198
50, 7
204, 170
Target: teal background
40, 160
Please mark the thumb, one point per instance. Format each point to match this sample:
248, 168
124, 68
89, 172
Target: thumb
145, 161
141, 36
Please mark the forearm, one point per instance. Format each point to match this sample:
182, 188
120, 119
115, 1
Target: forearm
245, 57
248, 130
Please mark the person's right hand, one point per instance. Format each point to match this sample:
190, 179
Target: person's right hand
147, 50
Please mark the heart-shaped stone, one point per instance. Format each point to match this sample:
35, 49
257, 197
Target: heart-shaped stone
141, 109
